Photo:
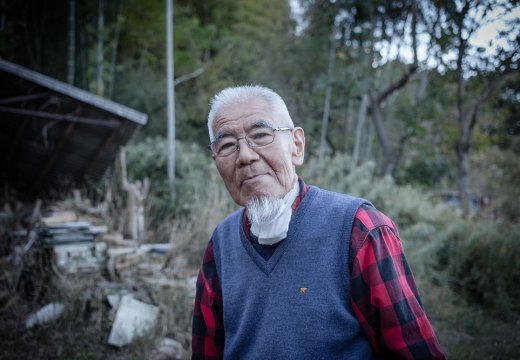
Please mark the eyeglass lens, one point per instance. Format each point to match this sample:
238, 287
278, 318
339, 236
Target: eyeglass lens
259, 136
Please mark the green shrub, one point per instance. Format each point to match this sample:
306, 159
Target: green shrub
480, 261
196, 178
406, 205
499, 170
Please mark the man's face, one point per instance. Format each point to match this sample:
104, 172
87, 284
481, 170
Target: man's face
253, 172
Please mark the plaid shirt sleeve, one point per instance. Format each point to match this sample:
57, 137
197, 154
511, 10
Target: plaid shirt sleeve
208, 326
384, 295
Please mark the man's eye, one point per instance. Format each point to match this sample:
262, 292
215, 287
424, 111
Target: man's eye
259, 135
226, 145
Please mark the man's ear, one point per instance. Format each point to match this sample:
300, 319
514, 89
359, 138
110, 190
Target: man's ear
298, 152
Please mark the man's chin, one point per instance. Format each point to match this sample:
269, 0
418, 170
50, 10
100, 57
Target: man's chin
263, 209
256, 198
269, 191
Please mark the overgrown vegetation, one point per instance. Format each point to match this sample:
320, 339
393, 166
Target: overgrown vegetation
467, 270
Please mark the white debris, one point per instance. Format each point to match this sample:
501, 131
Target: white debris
114, 300
59, 217
46, 314
72, 258
168, 349
133, 318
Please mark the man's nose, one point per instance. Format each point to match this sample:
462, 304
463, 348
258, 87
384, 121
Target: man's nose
246, 153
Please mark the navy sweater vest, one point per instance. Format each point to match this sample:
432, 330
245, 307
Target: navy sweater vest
296, 304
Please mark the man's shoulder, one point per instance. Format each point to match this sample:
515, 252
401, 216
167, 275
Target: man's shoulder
367, 214
372, 218
329, 197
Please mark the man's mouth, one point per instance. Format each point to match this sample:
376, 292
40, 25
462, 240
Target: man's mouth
251, 178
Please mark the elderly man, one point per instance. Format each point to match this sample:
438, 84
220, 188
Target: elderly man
299, 272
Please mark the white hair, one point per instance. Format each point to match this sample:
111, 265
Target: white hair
240, 94
263, 209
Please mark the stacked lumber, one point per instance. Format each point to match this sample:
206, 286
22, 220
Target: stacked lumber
72, 241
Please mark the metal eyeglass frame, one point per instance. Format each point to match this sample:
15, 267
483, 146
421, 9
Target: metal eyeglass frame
251, 145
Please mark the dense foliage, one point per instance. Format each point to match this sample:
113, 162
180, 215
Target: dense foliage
422, 81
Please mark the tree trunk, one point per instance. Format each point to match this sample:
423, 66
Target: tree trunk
414, 32
83, 60
33, 36
71, 61
462, 146
362, 115
2, 15
467, 121
114, 50
328, 93
463, 156
389, 155
468, 114
347, 124
100, 65
171, 97
421, 88
368, 140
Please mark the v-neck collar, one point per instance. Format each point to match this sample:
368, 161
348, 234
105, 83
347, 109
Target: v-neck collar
267, 266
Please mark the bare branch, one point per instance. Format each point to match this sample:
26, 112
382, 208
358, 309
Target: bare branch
397, 84
486, 94
414, 32
189, 76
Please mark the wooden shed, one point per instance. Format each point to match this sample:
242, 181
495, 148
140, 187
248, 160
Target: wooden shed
53, 134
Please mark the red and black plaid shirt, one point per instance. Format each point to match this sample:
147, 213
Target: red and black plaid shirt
384, 295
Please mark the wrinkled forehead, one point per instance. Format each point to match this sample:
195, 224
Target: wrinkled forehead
244, 114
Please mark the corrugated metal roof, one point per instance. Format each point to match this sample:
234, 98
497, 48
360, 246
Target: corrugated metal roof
53, 134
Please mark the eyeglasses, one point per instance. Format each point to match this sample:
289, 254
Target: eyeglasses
256, 137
